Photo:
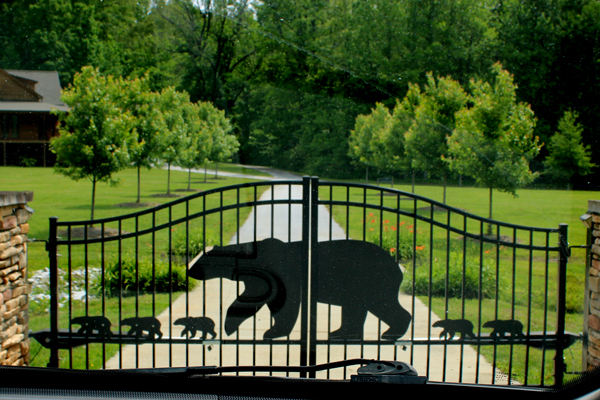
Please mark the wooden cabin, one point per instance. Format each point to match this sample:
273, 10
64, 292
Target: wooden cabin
26, 123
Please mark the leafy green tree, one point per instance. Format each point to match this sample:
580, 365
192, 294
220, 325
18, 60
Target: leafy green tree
297, 131
568, 155
144, 107
367, 140
216, 44
171, 103
196, 142
493, 140
96, 136
223, 144
434, 120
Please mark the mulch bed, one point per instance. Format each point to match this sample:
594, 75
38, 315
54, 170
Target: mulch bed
137, 205
165, 195
92, 232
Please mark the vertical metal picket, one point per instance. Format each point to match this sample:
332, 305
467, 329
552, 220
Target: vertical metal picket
305, 301
314, 239
53, 254
563, 244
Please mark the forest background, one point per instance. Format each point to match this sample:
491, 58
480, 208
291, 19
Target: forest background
293, 75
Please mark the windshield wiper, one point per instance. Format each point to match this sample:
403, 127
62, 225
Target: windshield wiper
372, 371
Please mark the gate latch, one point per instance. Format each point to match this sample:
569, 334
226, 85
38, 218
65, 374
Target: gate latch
388, 372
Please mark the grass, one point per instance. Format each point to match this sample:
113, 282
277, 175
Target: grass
56, 195
533, 207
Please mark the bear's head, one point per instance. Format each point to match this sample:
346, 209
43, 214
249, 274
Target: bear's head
220, 262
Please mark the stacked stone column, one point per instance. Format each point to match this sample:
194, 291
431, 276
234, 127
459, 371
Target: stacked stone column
14, 288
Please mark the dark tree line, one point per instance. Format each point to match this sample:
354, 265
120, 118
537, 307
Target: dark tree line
293, 75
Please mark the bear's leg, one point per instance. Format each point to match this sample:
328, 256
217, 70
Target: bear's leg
238, 312
284, 317
353, 323
213, 334
256, 291
393, 314
184, 331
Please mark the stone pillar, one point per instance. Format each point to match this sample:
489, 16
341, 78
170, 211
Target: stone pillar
14, 288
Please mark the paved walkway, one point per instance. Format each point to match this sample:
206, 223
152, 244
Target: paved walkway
222, 294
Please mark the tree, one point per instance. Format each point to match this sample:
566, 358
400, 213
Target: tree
217, 47
197, 140
171, 103
96, 136
222, 144
434, 120
568, 155
144, 106
368, 137
493, 140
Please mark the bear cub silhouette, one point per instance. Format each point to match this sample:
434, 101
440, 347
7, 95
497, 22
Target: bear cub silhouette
93, 323
194, 324
141, 324
359, 276
502, 327
451, 326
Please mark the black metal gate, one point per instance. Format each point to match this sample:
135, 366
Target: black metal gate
344, 270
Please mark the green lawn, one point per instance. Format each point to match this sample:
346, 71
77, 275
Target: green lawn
56, 195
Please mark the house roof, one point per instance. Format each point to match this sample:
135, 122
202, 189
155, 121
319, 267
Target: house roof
42, 87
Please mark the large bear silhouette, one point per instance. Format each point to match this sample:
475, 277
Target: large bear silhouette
358, 276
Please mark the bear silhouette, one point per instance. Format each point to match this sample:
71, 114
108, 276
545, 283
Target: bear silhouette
451, 326
194, 324
141, 324
358, 276
93, 323
502, 327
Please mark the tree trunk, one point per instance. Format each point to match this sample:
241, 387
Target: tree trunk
367, 176
489, 230
392, 182
93, 197
216, 169
169, 179
189, 179
445, 183
139, 184
205, 171
413, 181
460, 180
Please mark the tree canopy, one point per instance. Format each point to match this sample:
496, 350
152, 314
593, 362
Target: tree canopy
97, 136
292, 76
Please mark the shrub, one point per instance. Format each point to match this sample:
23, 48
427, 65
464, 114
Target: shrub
455, 279
179, 244
163, 281
28, 162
